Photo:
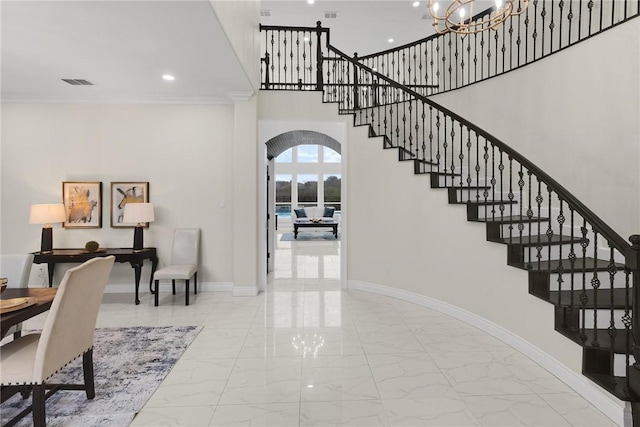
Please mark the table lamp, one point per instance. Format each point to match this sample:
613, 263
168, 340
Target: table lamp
47, 214
138, 213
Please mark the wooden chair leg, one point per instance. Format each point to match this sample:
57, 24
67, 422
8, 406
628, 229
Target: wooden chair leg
155, 293
39, 414
186, 292
87, 370
173, 284
195, 282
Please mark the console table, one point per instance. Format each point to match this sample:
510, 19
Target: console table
135, 258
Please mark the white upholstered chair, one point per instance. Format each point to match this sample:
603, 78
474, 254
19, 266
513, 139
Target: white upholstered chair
16, 268
185, 254
29, 361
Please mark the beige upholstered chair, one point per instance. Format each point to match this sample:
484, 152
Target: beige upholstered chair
185, 255
29, 361
16, 268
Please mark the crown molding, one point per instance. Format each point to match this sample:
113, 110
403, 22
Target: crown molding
8, 99
240, 96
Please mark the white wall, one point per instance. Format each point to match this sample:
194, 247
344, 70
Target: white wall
185, 152
576, 115
240, 20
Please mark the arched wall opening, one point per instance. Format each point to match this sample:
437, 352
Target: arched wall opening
277, 137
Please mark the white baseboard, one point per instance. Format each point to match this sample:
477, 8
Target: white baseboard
245, 290
601, 399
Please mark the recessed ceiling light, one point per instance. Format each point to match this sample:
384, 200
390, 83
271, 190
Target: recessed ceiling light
390, 40
168, 77
311, 1
416, 3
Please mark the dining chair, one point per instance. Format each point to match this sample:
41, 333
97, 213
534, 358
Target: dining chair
185, 254
27, 363
16, 268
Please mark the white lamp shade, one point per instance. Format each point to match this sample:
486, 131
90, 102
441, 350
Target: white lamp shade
138, 213
47, 213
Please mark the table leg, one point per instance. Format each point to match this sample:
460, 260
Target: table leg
154, 267
137, 268
295, 231
335, 231
50, 268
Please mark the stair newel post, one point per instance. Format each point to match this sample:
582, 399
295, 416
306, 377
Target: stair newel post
319, 77
356, 87
267, 78
632, 262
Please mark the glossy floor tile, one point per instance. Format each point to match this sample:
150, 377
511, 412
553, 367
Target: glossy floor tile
306, 353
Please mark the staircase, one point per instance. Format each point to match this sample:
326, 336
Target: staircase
573, 259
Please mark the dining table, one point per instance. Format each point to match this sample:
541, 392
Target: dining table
40, 300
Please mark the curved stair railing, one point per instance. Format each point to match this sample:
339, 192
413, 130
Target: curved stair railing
573, 259
449, 61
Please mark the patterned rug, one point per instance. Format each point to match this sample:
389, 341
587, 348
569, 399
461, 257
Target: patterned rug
304, 236
129, 364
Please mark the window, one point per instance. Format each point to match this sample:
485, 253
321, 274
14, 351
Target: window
283, 195
332, 191
307, 190
285, 157
308, 153
330, 156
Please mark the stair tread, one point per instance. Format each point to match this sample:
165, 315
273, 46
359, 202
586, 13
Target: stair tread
586, 339
566, 297
556, 239
515, 219
588, 264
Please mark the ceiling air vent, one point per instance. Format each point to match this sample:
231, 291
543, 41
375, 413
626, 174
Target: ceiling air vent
77, 82
330, 15
265, 12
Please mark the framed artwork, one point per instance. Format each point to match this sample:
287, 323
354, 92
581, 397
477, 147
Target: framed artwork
82, 204
123, 193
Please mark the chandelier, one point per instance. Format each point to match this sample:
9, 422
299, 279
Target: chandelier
457, 16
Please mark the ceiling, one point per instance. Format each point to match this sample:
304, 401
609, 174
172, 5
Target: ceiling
124, 47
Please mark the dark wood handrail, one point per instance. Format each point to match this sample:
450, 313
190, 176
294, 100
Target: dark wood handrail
596, 222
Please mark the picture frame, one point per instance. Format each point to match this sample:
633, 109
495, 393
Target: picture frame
123, 192
82, 204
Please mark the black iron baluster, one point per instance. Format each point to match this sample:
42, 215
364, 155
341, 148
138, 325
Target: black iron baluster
595, 285
601, 15
510, 43
298, 55
580, 20
444, 62
475, 57
612, 331
584, 298
431, 136
560, 19
549, 232
570, 21
453, 150
551, 26
539, 200
485, 193
424, 139
456, 65
469, 181
461, 155
267, 65
520, 203
590, 7
572, 265
526, 35
438, 139
493, 184
501, 206
477, 168
530, 217
510, 196
356, 86
445, 145
519, 39
534, 35
561, 220
627, 322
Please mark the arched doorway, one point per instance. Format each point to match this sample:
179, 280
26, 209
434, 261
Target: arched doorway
277, 146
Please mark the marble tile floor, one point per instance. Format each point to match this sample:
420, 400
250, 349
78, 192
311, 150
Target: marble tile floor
306, 353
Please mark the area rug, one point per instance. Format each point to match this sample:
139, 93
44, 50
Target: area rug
304, 236
129, 364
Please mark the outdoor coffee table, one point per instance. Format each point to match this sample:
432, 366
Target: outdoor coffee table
309, 224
